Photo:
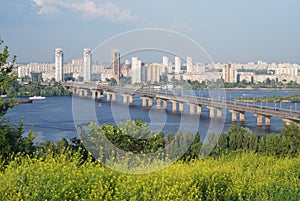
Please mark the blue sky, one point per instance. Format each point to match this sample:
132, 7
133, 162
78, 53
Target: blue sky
231, 30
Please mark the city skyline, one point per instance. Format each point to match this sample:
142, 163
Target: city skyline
229, 31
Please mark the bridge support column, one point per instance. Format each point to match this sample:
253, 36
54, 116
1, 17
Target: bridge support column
180, 107
233, 115
107, 97
268, 121
211, 112
174, 106
192, 109
113, 97
259, 119
94, 92
165, 104
219, 113
144, 102
112, 94
150, 102
79, 91
85, 93
199, 109
124, 99
130, 100
158, 103
242, 117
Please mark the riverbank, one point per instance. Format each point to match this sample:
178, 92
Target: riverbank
292, 98
260, 89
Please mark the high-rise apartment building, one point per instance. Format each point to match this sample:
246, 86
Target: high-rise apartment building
228, 74
166, 65
59, 62
136, 70
87, 66
177, 65
154, 72
189, 64
116, 64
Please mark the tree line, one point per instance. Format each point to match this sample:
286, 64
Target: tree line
35, 89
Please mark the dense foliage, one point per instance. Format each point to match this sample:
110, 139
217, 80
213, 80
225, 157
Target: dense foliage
6, 78
246, 176
12, 140
36, 89
294, 98
287, 143
136, 138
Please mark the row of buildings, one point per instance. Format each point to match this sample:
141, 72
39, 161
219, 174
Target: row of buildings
84, 69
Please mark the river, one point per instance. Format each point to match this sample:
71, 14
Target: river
53, 118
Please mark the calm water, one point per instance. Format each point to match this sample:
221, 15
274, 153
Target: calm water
53, 117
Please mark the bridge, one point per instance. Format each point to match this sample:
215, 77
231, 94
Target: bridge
195, 103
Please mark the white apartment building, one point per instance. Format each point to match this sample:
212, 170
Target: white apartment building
59, 64
189, 65
229, 75
177, 65
136, 70
287, 69
87, 66
154, 71
166, 64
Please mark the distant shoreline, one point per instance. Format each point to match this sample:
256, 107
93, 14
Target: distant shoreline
260, 89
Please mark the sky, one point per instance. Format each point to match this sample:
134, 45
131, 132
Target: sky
231, 30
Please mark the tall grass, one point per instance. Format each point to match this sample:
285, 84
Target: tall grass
243, 176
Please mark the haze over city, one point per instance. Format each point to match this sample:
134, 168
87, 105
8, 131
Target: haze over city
228, 30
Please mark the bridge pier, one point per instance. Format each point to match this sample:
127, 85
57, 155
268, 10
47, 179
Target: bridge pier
150, 102
242, 117
219, 113
180, 107
80, 92
93, 94
233, 115
259, 119
211, 112
199, 109
130, 100
124, 99
267, 120
113, 96
174, 105
85, 93
158, 103
96, 94
165, 104
127, 98
192, 111
144, 101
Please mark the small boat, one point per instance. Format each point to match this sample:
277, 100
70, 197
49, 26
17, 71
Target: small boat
37, 98
99, 104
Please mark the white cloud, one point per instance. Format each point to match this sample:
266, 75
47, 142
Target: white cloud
88, 8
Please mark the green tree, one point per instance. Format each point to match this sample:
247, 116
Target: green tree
11, 137
7, 76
